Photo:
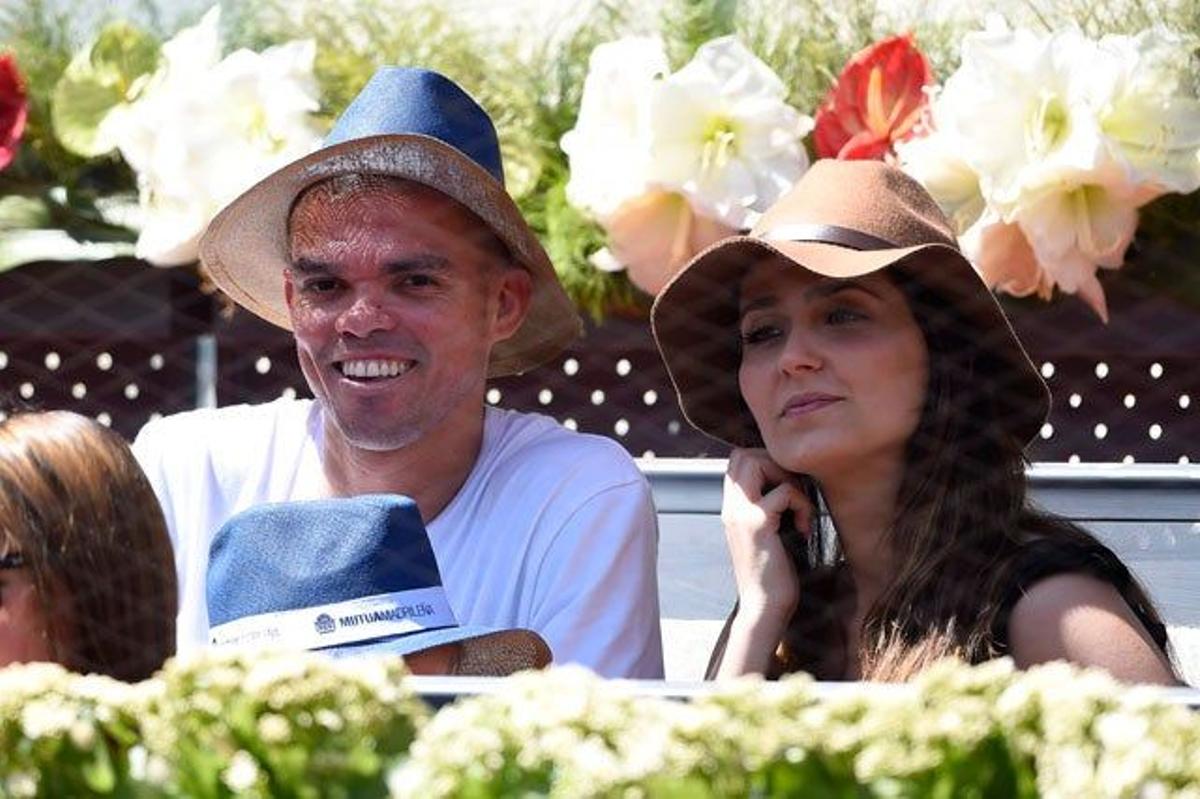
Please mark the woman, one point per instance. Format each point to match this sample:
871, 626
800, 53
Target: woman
866, 374
87, 577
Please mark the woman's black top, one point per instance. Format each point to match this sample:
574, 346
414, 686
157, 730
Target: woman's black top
1045, 557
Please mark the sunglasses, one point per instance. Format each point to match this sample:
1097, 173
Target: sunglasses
12, 560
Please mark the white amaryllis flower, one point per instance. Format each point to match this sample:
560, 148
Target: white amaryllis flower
1076, 231
1147, 112
723, 134
1022, 106
205, 129
935, 160
609, 147
1044, 146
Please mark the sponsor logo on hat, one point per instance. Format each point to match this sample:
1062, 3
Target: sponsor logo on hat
325, 624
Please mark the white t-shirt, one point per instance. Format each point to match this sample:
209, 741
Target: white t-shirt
553, 530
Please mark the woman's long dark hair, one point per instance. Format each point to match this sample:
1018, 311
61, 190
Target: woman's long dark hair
962, 515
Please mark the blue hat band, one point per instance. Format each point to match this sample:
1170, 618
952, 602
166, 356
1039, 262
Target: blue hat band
353, 621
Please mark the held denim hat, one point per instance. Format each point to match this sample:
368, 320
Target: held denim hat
842, 219
350, 577
408, 123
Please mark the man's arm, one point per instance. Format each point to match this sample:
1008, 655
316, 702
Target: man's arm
597, 585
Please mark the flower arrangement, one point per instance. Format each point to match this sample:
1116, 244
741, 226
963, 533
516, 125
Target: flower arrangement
1043, 147
630, 143
670, 163
215, 726
65, 735
304, 725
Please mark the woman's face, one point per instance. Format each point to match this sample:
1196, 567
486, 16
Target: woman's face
24, 636
834, 371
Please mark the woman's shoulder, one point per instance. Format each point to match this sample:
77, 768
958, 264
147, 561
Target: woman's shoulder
1046, 573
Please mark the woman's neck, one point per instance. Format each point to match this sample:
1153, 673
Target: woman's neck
862, 504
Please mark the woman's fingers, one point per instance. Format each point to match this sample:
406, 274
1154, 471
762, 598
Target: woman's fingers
751, 470
784, 496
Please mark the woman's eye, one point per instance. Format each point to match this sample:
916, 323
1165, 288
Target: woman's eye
841, 316
757, 334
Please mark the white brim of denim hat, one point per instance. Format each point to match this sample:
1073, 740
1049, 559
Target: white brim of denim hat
245, 248
401, 623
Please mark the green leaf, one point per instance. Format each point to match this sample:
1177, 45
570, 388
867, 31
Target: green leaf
99, 772
100, 78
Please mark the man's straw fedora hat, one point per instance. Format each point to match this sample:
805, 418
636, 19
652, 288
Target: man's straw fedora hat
407, 123
843, 219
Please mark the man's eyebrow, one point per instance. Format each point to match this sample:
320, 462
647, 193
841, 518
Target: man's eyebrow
417, 263
308, 266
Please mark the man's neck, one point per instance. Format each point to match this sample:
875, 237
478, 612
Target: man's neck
430, 470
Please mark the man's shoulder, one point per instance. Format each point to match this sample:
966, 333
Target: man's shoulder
531, 445
239, 426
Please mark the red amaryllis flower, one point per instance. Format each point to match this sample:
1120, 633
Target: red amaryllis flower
13, 109
877, 100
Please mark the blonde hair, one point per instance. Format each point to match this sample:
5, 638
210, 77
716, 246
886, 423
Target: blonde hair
76, 505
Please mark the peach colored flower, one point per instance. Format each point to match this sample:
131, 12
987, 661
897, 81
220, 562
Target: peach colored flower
655, 234
1005, 260
877, 100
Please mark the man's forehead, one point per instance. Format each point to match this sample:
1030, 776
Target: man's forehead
351, 201
366, 190
331, 199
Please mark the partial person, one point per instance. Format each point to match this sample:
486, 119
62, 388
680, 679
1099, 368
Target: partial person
408, 278
86, 573
876, 505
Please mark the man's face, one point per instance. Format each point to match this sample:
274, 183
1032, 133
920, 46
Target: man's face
396, 295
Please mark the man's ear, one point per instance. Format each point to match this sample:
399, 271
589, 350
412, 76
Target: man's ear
289, 288
514, 293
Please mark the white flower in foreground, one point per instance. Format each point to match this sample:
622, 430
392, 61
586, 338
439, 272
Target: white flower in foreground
1150, 115
723, 134
609, 146
935, 161
1044, 146
1022, 106
1073, 232
242, 773
207, 129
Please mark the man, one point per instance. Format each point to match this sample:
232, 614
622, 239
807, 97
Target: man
408, 277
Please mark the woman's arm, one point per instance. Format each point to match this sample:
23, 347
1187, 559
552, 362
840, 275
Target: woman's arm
757, 493
1085, 620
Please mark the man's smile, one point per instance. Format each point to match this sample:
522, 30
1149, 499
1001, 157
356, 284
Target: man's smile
373, 368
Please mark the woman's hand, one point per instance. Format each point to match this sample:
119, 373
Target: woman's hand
757, 493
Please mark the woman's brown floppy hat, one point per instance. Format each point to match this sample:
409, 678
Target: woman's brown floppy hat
843, 219
407, 123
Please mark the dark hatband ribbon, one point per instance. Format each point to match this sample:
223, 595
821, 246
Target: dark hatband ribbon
827, 234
